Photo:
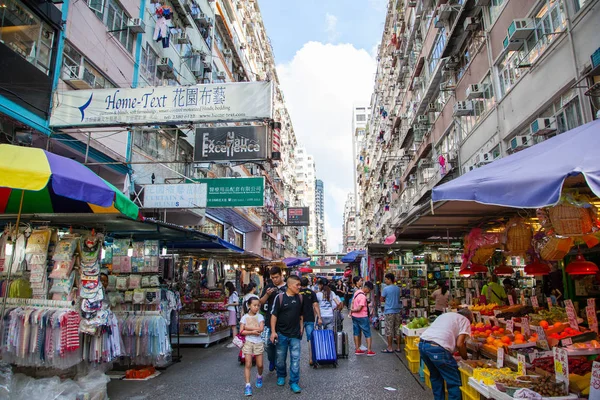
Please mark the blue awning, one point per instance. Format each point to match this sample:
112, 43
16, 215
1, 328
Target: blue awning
231, 217
353, 256
533, 177
216, 245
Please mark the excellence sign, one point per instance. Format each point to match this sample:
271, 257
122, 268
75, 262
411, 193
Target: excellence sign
220, 102
236, 143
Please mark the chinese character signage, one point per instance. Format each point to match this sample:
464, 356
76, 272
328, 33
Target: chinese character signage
231, 143
298, 216
242, 101
235, 192
184, 195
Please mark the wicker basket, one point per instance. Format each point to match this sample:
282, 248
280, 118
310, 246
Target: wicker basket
518, 236
483, 255
568, 219
555, 249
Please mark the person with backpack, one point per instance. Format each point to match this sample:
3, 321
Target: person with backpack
328, 303
267, 298
359, 311
311, 310
232, 306
251, 326
287, 325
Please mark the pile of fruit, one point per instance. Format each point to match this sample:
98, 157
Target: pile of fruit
545, 386
554, 315
494, 341
490, 375
418, 323
577, 365
485, 309
485, 330
593, 344
568, 332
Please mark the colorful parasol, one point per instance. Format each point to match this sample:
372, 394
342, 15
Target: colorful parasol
295, 261
34, 181
305, 270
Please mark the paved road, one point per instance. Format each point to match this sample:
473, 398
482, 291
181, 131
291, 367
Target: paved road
214, 373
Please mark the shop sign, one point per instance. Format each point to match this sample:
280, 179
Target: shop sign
521, 367
225, 102
234, 143
595, 382
561, 365
592, 318
570, 309
298, 216
534, 302
500, 357
234, 192
181, 195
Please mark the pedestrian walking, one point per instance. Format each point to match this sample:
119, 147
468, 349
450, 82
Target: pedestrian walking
232, 306
391, 310
448, 332
252, 325
328, 303
441, 296
359, 311
286, 332
312, 313
269, 293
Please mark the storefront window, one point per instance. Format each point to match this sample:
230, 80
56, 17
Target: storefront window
212, 228
508, 72
496, 7
26, 34
579, 4
438, 49
549, 20
148, 66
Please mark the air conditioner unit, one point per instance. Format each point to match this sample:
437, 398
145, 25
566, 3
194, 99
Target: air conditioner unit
432, 107
79, 79
520, 29
201, 17
463, 108
470, 24
136, 25
511, 45
519, 142
423, 119
542, 126
227, 53
209, 21
411, 3
182, 38
444, 11
487, 157
165, 65
221, 75
474, 91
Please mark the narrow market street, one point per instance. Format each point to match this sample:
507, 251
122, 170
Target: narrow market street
214, 373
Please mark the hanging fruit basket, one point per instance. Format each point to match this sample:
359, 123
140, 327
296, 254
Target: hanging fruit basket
480, 245
483, 255
554, 248
571, 220
518, 236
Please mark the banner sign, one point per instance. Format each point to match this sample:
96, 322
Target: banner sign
298, 216
183, 195
233, 143
220, 102
234, 192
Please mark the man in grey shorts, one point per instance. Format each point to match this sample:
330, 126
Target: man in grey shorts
391, 296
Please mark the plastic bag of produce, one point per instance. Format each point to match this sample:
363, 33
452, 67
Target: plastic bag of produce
94, 385
527, 394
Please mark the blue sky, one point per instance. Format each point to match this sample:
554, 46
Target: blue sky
324, 54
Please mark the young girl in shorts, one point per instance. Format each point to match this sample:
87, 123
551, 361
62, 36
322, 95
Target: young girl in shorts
251, 326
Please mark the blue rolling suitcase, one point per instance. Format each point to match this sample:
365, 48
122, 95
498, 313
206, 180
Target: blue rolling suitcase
323, 347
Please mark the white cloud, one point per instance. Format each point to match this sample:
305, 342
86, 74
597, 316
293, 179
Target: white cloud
321, 84
334, 236
331, 27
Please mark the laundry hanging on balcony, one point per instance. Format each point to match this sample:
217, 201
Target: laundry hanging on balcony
162, 32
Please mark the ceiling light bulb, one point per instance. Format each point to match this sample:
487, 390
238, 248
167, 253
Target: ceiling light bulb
164, 251
8, 249
130, 249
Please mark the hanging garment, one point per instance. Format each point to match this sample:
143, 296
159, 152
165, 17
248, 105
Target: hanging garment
211, 274
442, 161
161, 31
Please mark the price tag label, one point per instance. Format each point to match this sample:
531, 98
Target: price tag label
566, 342
510, 325
534, 302
561, 365
500, 357
595, 382
592, 317
496, 312
521, 367
525, 330
571, 314
591, 302
510, 300
486, 319
543, 344
549, 300
413, 303
540, 331
477, 316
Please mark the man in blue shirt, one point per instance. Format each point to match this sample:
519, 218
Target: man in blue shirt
391, 296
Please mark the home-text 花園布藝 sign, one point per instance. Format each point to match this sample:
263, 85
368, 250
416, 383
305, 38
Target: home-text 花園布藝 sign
244, 101
235, 143
181, 195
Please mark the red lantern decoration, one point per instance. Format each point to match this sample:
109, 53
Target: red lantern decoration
466, 272
479, 269
580, 266
537, 268
503, 270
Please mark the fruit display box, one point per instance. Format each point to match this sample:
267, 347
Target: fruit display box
412, 332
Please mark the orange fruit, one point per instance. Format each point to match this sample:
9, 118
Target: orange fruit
505, 339
544, 324
490, 339
518, 336
498, 343
557, 324
501, 330
519, 341
488, 332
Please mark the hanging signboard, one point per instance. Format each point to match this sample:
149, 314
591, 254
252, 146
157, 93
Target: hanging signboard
298, 216
234, 192
182, 195
235, 143
220, 102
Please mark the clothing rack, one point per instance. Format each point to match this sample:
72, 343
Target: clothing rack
141, 313
40, 303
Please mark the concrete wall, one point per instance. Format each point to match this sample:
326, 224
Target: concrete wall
513, 9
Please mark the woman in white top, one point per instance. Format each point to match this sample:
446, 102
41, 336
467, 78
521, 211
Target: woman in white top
328, 302
232, 303
249, 292
440, 296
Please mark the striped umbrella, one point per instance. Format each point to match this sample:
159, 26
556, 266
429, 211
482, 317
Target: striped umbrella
34, 181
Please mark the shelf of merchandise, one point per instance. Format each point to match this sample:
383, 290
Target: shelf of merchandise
203, 338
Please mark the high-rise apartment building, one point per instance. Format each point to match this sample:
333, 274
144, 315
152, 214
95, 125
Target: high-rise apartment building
306, 191
320, 216
461, 83
360, 117
349, 229
112, 44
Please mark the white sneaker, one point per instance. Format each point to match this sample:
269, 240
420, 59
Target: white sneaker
231, 345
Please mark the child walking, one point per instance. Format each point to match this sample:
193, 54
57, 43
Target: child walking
251, 326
